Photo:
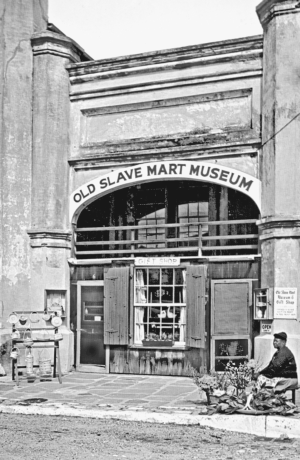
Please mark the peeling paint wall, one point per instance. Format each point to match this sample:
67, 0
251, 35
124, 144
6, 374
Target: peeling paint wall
19, 19
201, 102
183, 115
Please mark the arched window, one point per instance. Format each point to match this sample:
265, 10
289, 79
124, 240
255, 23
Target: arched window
171, 217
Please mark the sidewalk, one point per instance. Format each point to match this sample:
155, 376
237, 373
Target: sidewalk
156, 399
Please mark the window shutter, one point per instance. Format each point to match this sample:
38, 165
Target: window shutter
230, 301
195, 306
116, 306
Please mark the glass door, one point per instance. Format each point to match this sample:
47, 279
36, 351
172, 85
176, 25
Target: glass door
90, 323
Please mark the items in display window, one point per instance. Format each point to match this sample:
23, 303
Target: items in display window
261, 304
235, 350
55, 301
158, 324
92, 311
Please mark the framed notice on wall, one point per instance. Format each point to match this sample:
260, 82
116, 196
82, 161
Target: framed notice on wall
285, 303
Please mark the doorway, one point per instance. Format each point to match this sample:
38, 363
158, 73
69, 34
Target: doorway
90, 323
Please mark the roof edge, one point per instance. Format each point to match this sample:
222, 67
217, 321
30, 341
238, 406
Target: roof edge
186, 52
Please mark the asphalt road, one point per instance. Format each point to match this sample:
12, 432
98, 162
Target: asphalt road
24, 437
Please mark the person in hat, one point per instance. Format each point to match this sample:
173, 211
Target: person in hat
281, 372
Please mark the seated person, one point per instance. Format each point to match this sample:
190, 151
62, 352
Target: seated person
281, 372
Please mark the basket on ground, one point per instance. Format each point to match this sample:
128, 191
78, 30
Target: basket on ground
45, 365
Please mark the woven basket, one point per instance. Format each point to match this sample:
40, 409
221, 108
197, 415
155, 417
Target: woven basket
27, 338
29, 364
45, 365
212, 400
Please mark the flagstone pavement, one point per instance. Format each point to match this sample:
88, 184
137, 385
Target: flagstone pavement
108, 390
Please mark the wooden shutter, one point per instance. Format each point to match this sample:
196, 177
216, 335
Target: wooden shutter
230, 307
195, 306
116, 306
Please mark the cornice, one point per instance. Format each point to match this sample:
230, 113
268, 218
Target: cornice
279, 221
167, 148
78, 92
168, 102
269, 9
216, 152
181, 56
50, 238
49, 42
279, 227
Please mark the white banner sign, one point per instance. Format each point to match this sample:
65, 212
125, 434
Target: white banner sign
146, 261
166, 170
285, 303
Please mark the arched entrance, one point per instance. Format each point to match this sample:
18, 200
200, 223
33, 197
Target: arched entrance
180, 225
177, 218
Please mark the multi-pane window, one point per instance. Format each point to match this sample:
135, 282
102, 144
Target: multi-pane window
193, 212
154, 233
160, 304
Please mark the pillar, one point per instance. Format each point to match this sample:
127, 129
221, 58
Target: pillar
19, 19
50, 232
280, 164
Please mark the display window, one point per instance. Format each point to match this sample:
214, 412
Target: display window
160, 305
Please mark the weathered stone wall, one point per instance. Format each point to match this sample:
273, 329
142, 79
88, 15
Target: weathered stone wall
34, 136
18, 21
201, 102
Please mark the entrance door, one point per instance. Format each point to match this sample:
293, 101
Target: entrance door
230, 322
90, 323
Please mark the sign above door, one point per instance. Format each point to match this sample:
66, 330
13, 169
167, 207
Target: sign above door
165, 170
157, 261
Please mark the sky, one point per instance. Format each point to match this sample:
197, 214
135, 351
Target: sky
110, 28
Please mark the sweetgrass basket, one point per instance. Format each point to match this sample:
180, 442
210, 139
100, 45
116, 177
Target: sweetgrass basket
45, 364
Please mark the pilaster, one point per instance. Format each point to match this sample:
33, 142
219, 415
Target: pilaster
19, 19
50, 237
51, 107
280, 162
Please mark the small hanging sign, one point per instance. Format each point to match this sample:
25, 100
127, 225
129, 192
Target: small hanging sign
285, 303
157, 261
266, 327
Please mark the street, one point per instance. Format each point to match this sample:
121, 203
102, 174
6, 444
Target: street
37, 437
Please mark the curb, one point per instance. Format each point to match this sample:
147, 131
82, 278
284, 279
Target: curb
262, 425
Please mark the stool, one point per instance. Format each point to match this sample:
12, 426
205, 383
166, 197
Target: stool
293, 396
293, 391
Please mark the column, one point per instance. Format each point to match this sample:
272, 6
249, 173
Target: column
280, 164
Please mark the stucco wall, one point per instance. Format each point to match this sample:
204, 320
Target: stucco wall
201, 102
19, 20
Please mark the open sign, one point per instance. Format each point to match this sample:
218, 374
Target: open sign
266, 328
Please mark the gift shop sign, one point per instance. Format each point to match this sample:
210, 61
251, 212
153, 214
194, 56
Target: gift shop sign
160, 171
285, 303
157, 261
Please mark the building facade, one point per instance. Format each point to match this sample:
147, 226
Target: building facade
152, 197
